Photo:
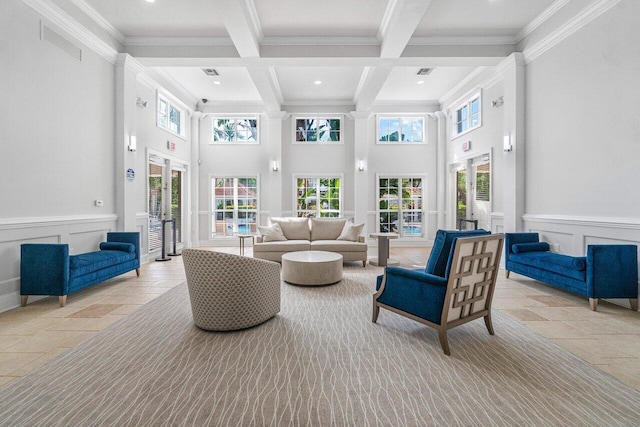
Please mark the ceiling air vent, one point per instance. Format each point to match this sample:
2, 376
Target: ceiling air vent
424, 71
210, 71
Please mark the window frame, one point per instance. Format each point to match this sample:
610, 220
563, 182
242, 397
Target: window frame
212, 204
468, 104
422, 210
171, 104
320, 176
400, 117
237, 118
318, 117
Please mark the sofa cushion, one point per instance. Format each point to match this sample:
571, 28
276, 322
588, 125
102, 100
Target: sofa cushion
520, 248
293, 228
556, 263
351, 232
326, 228
93, 261
282, 246
117, 246
338, 246
271, 233
439, 257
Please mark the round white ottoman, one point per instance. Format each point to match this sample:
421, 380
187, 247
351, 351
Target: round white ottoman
312, 268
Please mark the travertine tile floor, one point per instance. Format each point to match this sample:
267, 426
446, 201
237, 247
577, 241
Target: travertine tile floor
32, 335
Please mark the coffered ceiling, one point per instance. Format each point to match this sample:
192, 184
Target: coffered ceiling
273, 52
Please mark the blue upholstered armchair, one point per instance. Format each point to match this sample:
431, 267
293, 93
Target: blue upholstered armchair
455, 287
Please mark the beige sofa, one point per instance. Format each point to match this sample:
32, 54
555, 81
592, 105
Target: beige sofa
310, 234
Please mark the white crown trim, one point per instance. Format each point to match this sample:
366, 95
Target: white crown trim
462, 40
540, 19
178, 41
99, 19
447, 96
320, 41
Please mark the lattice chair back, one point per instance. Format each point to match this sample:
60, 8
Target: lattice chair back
472, 279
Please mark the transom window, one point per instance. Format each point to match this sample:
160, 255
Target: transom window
468, 115
318, 129
401, 129
235, 130
318, 197
235, 205
400, 205
170, 116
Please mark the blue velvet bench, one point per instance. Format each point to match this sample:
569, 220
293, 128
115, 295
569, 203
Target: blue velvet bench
608, 271
48, 269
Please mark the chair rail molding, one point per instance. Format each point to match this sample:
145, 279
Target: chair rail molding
29, 222
606, 222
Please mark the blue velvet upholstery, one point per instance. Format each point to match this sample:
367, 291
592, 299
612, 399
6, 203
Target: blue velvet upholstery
608, 271
441, 252
519, 248
47, 269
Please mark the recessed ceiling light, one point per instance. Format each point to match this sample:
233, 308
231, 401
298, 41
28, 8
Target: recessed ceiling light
420, 82
216, 82
150, 1
317, 82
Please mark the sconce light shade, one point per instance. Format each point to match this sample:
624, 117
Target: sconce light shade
507, 143
361, 165
132, 143
274, 166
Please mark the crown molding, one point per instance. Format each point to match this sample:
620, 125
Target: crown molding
462, 41
99, 19
412, 103
588, 14
67, 24
540, 19
271, 71
320, 41
181, 89
303, 102
178, 41
254, 19
386, 19
445, 99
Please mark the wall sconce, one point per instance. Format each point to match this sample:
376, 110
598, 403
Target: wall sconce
132, 143
497, 102
507, 143
274, 166
141, 103
361, 165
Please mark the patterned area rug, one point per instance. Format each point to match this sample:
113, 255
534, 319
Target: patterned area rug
320, 362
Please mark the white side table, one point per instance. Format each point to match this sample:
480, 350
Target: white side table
383, 249
242, 237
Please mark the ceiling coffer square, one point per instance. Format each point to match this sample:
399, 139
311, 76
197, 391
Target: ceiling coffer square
210, 71
424, 71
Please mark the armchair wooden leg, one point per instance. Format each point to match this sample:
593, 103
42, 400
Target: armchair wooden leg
489, 324
138, 272
442, 334
23, 300
507, 273
376, 312
634, 303
593, 303
63, 300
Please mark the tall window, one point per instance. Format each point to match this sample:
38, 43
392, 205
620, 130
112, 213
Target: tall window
468, 115
318, 129
483, 183
400, 205
401, 129
318, 197
170, 116
235, 130
235, 205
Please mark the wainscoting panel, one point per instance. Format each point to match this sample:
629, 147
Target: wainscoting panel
82, 233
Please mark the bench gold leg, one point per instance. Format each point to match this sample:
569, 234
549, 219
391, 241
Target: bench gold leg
63, 300
23, 300
138, 272
593, 303
634, 303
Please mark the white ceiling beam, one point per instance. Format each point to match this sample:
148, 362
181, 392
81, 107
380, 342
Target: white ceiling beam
373, 80
398, 25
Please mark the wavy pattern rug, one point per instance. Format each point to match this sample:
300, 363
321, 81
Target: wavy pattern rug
320, 362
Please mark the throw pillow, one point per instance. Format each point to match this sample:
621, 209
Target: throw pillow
271, 233
351, 232
520, 248
117, 246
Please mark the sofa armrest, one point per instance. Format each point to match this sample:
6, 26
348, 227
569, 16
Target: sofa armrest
612, 271
258, 239
511, 239
126, 237
44, 269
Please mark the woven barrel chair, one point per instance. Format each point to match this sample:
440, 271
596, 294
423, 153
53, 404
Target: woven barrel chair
230, 292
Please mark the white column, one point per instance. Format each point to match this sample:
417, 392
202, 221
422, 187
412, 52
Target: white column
361, 178
441, 169
513, 70
126, 70
194, 181
272, 198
